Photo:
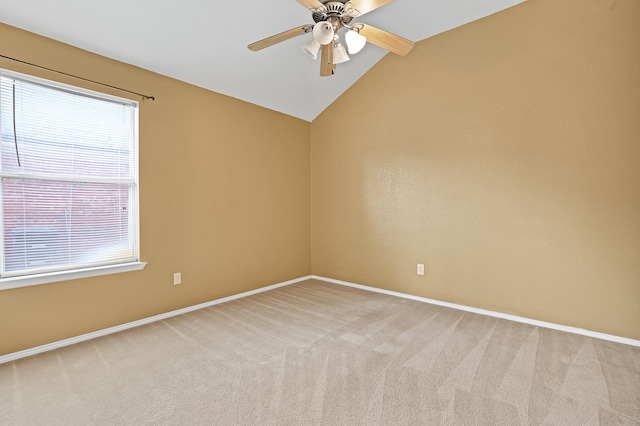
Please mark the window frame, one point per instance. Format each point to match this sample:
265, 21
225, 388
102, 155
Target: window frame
17, 281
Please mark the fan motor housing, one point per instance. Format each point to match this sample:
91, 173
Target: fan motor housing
334, 9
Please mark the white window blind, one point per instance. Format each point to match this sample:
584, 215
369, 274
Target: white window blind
69, 177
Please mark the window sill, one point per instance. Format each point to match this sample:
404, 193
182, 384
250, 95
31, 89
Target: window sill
29, 280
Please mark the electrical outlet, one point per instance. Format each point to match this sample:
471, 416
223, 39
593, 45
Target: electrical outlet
420, 269
177, 278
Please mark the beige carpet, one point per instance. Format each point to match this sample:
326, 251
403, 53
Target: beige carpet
319, 353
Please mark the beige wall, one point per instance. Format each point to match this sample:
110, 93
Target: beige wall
224, 200
505, 156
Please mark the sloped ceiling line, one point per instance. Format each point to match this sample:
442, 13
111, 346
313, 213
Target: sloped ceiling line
206, 44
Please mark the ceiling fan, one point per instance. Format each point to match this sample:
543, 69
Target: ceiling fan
330, 16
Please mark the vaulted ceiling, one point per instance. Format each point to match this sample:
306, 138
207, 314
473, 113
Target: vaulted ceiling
204, 42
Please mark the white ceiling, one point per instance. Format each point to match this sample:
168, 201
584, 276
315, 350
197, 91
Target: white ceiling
204, 42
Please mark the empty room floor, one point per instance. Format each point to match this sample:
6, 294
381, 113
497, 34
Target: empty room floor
320, 353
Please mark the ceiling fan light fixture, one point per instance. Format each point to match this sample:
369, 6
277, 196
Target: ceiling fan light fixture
311, 48
339, 54
355, 41
323, 32
330, 17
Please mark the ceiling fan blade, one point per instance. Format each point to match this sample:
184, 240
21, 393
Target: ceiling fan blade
275, 39
326, 60
311, 4
386, 40
364, 6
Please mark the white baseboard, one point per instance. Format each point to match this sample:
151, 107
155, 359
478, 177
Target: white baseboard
575, 330
88, 336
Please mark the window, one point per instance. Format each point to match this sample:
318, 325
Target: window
68, 177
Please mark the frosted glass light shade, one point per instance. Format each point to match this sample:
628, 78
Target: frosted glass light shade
311, 48
323, 32
339, 54
355, 41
